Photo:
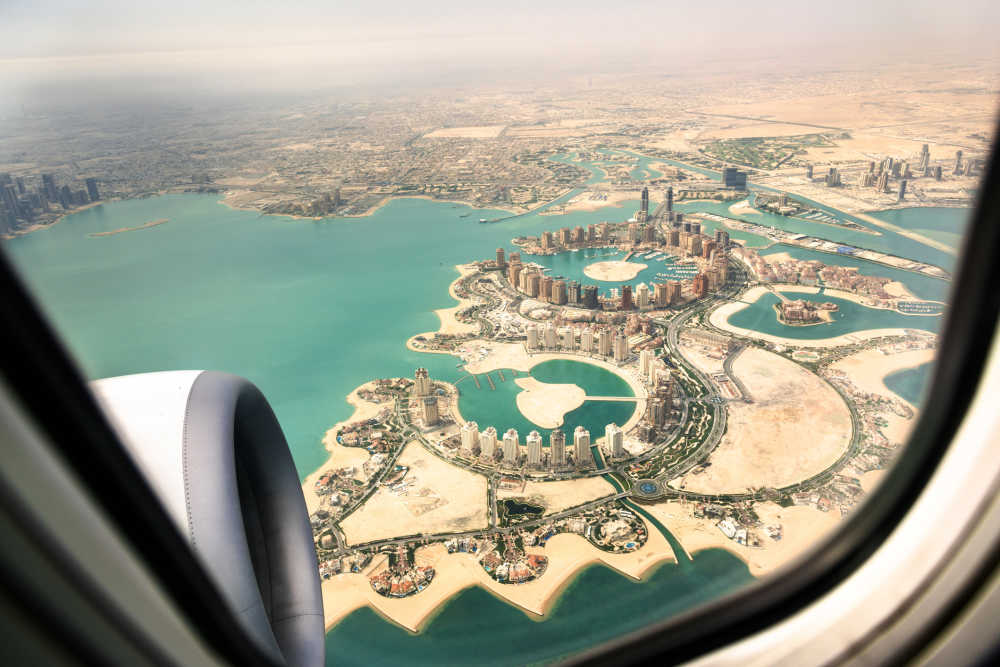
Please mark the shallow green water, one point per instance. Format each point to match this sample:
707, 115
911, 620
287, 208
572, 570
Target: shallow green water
477, 628
910, 383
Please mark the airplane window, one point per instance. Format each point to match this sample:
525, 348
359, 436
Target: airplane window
574, 318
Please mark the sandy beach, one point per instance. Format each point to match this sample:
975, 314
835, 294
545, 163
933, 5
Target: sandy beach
801, 526
796, 427
567, 554
450, 325
546, 404
743, 207
613, 271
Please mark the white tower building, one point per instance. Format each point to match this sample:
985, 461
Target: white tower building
604, 343
581, 446
614, 441
510, 447
488, 443
550, 337
621, 347
567, 339
646, 357
534, 441
470, 438
587, 340
642, 295
532, 334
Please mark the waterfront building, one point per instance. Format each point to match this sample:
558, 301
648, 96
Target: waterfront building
49, 186
604, 232
633, 232
531, 332
591, 233
549, 336
902, 190
488, 443
511, 447
604, 343
674, 238
670, 199
707, 248
567, 339
533, 284
590, 296
515, 257
534, 442
557, 448
655, 366
694, 245
547, 240
882, 184
514, 273
565, 236
621, 347
573, 293
470, 438
958, 163
92, 191
675, 288
578, 234
695, 227
429, 410
648, 234
646, 357
734, 178
700, 285
626, 302
581, 446
501, 260
587, 340
614, 441
644, 202
656, 412
559, 292
421, 383
642, 295
661, 295
545, 288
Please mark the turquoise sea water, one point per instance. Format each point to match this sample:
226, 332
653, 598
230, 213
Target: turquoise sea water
308, 310
910, 383
498, 407
851, 317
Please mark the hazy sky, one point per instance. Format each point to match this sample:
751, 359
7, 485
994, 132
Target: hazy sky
270, 43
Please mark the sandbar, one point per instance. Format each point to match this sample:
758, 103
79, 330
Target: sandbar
546, 404
613, 271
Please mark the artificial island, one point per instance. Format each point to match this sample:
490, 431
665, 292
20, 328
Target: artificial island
424, 496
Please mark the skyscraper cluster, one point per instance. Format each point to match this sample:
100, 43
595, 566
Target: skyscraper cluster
532, 453
19, 203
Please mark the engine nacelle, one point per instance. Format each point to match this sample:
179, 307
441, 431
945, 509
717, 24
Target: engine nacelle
212, 450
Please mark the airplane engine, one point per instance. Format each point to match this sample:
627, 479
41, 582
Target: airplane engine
210, 447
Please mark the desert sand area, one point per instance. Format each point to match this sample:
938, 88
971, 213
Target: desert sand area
593, 200
340, 456
567, 554
801, 527
546, 404
614, 271
558, 496
439, 498
743, 207
797, 426
450, 325
720, 319
868, 369
476, 132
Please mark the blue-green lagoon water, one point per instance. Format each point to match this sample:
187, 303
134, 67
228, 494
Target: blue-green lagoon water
849, 318
308, 310
910, 383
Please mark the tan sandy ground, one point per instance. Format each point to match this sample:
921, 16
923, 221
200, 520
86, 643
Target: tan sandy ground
340, 456
802, 527
615, 271
450, 325
743, 207
871, 479
587, 201
868, 369
546, 404
720, 319
558, 496
899, 290
696, 355
568, 554
475, 132
442, 498
797, 426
